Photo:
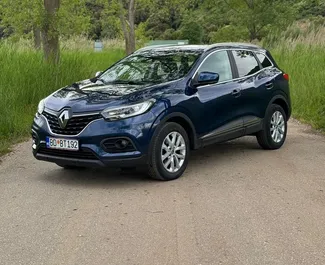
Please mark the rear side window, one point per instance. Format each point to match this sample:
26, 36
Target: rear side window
265, 62
246, 63
218, 62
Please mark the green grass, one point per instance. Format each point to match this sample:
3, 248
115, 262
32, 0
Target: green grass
25, 79
305, 64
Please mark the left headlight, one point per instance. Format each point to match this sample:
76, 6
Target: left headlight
127, 111
41, 106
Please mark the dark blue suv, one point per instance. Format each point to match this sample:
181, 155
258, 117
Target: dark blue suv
154, 106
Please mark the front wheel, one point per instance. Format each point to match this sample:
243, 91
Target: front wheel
169, 152
274, 131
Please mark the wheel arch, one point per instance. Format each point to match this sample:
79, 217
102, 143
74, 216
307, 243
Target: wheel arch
283, 102
183, 120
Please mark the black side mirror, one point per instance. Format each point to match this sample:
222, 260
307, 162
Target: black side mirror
205, 78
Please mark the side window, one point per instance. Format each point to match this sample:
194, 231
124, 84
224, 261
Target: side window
265, 62
246, 63
218, 62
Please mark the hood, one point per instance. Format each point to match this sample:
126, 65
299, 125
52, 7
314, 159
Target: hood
87, 96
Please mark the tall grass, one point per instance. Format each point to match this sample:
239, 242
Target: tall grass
300, 51
305, 66
25, 79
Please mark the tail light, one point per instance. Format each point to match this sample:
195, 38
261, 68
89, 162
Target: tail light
286, 76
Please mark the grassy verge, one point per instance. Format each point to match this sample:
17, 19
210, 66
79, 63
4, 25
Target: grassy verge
305, 64
25, 79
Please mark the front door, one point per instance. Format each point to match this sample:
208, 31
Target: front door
220, 103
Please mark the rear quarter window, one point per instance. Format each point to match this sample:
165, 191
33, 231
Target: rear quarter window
265, 62
246, 62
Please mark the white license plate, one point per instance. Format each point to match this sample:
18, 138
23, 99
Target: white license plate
63, 144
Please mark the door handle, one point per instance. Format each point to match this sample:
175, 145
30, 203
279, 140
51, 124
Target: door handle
269, 85
236, 92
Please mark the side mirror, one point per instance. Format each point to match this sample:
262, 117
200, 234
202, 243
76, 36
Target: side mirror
206, 78
98, 74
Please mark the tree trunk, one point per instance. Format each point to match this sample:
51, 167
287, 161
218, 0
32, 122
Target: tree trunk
132, 28
50, 34
37, 38
128, 26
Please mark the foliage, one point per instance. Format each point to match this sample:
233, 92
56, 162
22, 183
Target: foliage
21, 16
311, 8
198, 20
229, 33
192, 31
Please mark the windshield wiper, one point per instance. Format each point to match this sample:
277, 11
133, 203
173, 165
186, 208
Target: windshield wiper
126, 82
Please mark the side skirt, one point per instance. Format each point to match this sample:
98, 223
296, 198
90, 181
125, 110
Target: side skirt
227, 132
250, 126
253, 125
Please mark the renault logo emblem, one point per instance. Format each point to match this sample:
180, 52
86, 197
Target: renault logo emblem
64, 118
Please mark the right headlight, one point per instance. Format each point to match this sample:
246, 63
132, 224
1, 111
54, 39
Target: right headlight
127, 111
41, 106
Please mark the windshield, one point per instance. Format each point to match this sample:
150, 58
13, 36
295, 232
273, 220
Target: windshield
151, 67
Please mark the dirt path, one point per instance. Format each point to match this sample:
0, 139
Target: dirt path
236, 204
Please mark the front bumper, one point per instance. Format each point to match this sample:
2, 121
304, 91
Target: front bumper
117, 162
92, 153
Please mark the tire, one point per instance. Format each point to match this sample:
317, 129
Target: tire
70, 167
275, 128
178, 152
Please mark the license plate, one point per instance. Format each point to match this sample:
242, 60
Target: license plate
63, 144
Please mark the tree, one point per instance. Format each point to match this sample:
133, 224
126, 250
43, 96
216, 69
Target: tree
21, 17
192, 31
259, 16
25, 18
165, 17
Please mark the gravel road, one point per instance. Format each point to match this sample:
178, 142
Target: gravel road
236, 204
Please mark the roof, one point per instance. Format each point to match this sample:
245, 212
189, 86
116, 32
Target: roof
199, 48
234, 45
171, 47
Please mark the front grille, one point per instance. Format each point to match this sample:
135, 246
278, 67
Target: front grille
118, 145
74, 126
84, 153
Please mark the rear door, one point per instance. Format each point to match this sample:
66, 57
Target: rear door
256, 77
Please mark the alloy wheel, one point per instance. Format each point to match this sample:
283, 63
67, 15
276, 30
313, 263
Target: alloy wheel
173, 152
277, 127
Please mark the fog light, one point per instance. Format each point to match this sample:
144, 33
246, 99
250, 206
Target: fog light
121, 144
34, 138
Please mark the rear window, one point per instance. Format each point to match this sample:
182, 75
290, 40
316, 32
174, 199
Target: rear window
265, 62
246, 62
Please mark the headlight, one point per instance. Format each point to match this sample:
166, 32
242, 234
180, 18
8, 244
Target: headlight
127, 111
41, 106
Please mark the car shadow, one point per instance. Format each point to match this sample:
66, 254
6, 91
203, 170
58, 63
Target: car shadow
115, 178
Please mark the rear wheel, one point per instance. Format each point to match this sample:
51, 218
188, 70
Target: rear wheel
169, 152
274, 131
